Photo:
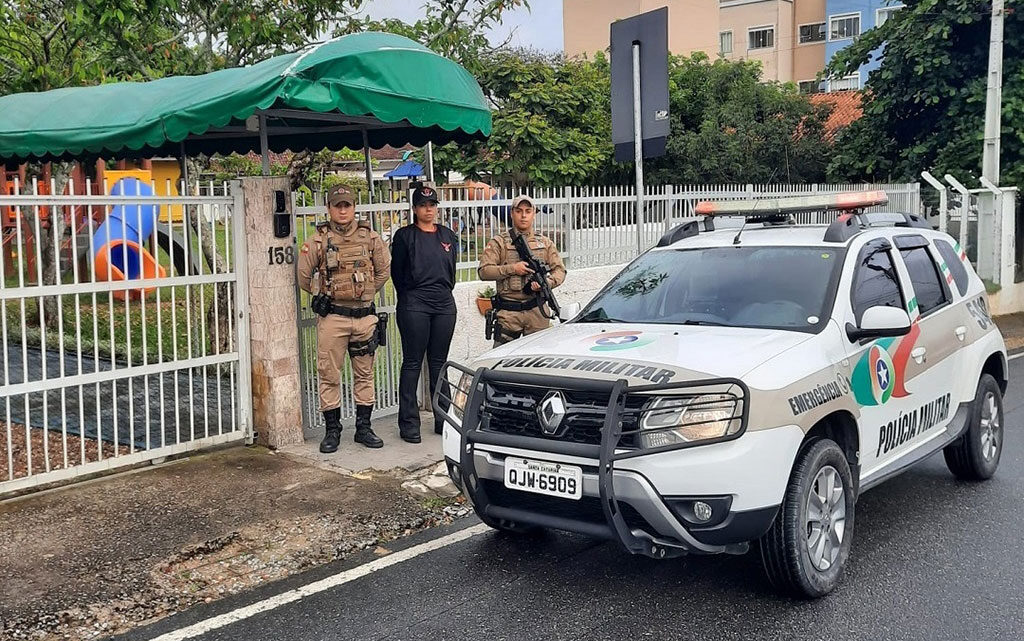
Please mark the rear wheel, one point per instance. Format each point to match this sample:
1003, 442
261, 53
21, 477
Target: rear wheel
975, 455
805, 551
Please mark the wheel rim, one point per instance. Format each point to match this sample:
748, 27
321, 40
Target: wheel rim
991, 427
826, 518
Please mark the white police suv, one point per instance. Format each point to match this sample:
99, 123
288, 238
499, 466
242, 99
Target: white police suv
736, 385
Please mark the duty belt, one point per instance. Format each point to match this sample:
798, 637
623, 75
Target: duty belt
504, 304
353, 312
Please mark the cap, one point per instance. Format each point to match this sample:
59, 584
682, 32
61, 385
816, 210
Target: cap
424, 194
520, 199
340, 194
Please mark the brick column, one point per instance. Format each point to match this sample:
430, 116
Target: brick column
274, 333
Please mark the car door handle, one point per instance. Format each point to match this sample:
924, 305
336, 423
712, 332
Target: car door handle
961, 332
918, 354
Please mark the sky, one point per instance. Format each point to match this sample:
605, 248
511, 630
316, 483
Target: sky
539, 27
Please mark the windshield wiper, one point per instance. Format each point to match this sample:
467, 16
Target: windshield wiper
704, 323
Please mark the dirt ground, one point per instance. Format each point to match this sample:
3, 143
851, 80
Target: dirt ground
54, 450
1012, 327
104, 556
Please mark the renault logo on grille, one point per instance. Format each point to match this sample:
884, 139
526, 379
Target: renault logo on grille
551, 412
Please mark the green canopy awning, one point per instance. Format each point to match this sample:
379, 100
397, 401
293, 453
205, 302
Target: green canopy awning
391, 89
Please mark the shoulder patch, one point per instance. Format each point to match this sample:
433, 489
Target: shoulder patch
305, 248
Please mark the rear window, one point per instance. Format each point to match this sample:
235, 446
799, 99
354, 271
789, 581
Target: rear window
953, 264
768, 287
924, 275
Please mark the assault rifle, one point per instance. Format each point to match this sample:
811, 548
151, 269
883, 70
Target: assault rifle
539, 276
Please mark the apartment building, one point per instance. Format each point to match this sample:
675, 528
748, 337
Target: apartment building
847, 19
586, 24
792, 39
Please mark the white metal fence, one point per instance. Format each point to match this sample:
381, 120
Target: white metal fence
119, 320
592, 226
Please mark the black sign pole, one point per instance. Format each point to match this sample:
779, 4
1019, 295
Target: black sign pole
638, 148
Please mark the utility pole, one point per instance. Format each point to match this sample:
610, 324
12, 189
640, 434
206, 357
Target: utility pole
994, 96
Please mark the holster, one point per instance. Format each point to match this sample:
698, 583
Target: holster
382, 329
321, 304
491, 323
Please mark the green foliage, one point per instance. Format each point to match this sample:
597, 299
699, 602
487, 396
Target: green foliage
551, 121
235, 166
552, 125
924, 108
729, 127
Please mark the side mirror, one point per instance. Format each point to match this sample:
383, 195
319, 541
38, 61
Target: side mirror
570, 311
879, 322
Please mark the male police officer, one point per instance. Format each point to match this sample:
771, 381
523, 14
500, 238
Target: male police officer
343, 266
520, 310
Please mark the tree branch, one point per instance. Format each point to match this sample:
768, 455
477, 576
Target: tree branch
452, 23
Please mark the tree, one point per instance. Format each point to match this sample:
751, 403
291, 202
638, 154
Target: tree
551, 123
924, 108
729, 127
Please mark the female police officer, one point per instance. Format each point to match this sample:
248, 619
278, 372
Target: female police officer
424, 275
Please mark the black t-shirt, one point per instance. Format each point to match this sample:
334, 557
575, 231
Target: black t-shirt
423, 268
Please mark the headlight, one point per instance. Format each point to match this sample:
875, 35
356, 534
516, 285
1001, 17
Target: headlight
461, 394
672, 420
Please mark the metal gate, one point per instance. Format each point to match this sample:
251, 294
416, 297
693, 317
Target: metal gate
119, 319
308, 213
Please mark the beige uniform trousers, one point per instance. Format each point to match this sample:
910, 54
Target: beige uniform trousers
333, 333
522, 323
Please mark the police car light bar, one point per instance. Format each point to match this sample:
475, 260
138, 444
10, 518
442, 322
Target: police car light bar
792, 204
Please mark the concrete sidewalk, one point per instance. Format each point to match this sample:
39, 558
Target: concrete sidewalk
103, 556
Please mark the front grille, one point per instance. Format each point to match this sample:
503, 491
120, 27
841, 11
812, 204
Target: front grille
512, 409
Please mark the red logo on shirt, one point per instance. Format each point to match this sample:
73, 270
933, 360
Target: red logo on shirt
447, 246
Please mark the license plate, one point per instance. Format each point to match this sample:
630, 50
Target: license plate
539, 477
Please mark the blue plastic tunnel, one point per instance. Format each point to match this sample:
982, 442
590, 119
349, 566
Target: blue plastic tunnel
119, 253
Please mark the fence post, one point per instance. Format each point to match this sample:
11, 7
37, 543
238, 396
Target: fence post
242, 309
570, 223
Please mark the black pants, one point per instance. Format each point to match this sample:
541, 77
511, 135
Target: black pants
422, 333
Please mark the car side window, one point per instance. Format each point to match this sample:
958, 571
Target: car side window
875, 281
925, 277
953, 264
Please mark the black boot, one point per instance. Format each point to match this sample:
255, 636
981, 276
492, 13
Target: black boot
333, 436
364, 434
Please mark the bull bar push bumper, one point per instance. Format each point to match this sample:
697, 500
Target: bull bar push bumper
614, 527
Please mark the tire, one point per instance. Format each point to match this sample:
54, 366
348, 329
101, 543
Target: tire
791, 542
974, 456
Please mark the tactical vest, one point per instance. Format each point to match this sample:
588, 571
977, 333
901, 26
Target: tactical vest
346, 263
515, 284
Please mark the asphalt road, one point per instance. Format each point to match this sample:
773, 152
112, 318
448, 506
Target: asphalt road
933, 558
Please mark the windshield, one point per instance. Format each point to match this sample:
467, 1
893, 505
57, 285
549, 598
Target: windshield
769, 287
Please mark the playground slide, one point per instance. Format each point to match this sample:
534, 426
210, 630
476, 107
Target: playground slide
119, 252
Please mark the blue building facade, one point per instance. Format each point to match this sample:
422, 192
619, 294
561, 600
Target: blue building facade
845, 21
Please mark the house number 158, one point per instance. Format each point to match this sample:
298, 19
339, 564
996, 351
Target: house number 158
280, 255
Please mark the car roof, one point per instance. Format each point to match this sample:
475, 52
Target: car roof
783, 235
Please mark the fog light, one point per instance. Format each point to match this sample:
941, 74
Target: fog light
702, 511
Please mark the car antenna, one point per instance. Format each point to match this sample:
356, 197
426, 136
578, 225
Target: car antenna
736, 240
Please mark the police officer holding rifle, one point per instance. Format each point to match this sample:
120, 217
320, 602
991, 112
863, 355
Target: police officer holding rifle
526, 267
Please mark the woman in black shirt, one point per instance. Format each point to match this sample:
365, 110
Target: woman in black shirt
423, 269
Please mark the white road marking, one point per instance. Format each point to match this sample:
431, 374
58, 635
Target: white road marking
1013, 356
300, 593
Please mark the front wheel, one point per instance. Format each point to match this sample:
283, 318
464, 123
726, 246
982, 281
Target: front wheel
974, 456
805, 551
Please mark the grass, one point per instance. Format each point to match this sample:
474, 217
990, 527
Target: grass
165, 325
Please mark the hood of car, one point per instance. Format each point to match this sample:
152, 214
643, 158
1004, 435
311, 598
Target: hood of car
651, 353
